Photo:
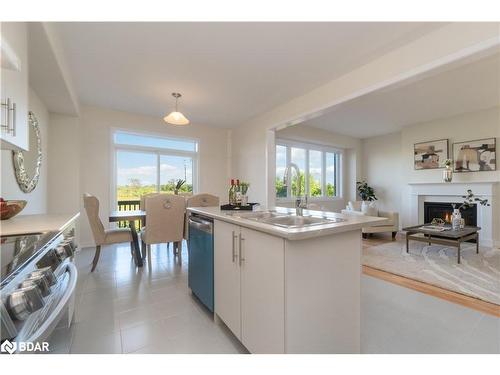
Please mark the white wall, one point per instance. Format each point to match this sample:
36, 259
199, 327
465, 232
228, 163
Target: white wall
95, 163
351, 160
64, 168
470, 126
382, 169
37, 199
447, 44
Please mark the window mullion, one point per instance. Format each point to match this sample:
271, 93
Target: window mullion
157, 172
289, 177
306, 174
323, 174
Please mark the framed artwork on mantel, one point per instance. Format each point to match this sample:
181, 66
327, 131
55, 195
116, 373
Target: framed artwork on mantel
475, 156
430, 155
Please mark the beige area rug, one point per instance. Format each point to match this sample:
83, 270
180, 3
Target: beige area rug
477, 276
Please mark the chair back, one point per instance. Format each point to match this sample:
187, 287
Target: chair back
91, 205
164, 218
203, 200
142, 203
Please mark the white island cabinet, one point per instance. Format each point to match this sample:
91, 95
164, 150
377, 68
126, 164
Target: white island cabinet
289, 290
249, 285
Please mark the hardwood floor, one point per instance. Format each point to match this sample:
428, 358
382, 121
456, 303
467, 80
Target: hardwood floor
448, 295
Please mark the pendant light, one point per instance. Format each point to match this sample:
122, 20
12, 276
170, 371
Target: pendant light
176, 117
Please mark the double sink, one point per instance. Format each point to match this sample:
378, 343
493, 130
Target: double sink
284, 220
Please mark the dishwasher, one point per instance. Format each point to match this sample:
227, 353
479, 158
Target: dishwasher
201, 259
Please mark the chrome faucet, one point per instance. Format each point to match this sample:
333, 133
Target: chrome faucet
300, 203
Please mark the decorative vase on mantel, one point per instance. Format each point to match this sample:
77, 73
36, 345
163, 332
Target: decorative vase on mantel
448, 171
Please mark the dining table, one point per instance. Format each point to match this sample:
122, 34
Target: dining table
131, 217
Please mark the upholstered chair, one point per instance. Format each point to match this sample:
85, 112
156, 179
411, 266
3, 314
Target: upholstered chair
142, 203
390, 225
103, 236
164, 221
199, 200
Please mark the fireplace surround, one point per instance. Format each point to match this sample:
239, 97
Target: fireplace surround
422, 192
444, 210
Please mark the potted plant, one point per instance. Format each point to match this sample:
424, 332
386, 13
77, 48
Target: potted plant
178, 186
244, 189
366, 193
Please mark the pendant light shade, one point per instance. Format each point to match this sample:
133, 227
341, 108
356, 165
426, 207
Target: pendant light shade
176, 117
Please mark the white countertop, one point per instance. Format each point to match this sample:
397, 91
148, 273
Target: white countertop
354, 222
23, 224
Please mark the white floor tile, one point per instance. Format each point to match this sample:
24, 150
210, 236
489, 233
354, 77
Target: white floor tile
121, 308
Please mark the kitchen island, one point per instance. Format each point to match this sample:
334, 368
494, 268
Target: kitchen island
286, 287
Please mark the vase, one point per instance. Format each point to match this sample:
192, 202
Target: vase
456, 219
448, 174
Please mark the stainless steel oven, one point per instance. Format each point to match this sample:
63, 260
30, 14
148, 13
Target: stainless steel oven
38, 280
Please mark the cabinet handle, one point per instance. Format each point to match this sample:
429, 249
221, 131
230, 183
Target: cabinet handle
234, 250
14, 119
241, 239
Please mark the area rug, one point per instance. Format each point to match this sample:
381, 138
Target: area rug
477, 276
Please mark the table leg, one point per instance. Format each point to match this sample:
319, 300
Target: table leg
407, 243
137, 249
477, 243
429, 237
458, 246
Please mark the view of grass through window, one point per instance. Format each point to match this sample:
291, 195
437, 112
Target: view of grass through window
152, 169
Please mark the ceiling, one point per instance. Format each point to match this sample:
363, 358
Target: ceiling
227, 72
466, 88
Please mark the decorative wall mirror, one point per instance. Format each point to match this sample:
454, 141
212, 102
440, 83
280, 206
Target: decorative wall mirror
27, 164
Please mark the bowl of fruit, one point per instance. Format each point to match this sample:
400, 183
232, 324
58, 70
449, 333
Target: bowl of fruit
10, 208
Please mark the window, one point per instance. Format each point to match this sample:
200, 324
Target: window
319, 170
147, 164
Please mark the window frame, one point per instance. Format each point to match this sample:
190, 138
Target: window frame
324, 149
157, 151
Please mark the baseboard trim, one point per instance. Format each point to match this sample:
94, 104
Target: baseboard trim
448, 295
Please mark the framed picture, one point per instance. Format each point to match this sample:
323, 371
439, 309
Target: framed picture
475, 156
430, 155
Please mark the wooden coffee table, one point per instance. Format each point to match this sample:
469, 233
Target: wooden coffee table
448, 237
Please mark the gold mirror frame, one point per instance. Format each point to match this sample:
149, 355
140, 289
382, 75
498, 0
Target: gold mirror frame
25, 182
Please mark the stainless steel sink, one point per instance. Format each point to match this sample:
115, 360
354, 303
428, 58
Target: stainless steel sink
299, 221
284, 220
257, 216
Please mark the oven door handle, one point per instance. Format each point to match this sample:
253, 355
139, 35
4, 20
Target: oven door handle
51, 321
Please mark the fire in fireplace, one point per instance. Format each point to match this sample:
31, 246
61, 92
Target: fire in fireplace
444, 210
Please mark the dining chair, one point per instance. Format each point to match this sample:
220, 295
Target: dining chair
199, 200
142, 203
164, 221
103, 236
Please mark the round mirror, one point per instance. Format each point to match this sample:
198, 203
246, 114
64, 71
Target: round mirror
27, 163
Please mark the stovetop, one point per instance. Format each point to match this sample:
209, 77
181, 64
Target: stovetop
17, 251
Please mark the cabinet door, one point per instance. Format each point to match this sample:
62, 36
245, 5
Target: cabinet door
262, 292
227, 275
14, 86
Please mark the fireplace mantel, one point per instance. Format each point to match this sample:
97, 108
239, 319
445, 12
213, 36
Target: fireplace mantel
453, 192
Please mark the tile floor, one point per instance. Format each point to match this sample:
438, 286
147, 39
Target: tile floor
122, 309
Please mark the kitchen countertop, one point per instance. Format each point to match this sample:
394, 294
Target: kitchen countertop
24, 224
351, 222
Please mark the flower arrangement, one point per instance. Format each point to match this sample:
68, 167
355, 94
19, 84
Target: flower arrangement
448, 163
469, 201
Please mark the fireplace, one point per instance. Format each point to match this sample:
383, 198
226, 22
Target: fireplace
444, 210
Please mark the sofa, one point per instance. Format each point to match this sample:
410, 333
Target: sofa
392, 225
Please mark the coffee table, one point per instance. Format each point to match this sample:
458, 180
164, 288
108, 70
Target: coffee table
447, 237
